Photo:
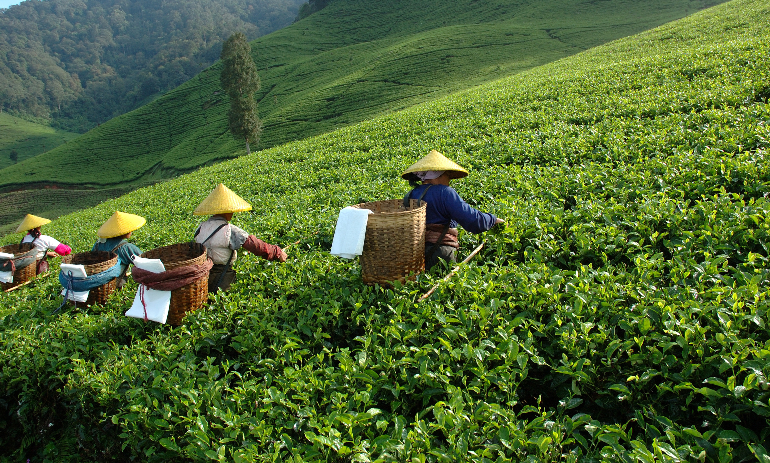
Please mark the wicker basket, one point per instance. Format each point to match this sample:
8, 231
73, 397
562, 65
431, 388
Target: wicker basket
24, 275
189, 297
96, 262
394, 246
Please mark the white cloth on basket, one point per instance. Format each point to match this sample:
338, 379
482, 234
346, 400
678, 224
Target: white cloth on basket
6, 277
78, 271
350, 232
156, 303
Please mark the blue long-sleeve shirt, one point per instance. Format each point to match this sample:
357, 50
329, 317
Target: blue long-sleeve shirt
446, 206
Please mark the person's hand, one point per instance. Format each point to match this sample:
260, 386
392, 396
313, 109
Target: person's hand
51, 254
498, 227
282, 256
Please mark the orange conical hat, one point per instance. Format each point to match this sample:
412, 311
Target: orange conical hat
436, 161
221, 201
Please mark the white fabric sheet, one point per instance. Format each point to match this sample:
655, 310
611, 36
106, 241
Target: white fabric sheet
6, 277
156, 303
350, 232
78, 271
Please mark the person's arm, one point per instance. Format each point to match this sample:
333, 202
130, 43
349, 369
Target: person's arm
54, 245
268, 251
254, 245
127, 253
63, 250
469, 218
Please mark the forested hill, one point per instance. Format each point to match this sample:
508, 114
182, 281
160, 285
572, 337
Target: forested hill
82, 62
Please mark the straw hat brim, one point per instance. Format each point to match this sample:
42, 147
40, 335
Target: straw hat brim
30, 222
119, 224
435, 161
222, 200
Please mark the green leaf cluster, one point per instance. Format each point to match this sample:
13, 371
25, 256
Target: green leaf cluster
621, 315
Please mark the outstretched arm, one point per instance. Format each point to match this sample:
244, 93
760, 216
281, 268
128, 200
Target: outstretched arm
268, 251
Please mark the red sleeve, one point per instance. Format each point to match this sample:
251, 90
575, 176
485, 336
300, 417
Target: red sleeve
259, 248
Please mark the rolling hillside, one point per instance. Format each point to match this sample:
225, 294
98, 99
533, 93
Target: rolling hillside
27, 139
620, 316
351, 61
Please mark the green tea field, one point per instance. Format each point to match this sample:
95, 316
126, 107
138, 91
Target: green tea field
351, 61
21, 139
621, 314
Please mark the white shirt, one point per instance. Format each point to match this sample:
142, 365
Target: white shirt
224, 242
43, 243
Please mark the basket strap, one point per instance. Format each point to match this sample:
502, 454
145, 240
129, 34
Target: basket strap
211, 235
433, 248
419, 200
120, 245
227, 268
229, 261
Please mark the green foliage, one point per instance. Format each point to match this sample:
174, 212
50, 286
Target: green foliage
21, 139
351, 61
83, 63
240, 80
621, 315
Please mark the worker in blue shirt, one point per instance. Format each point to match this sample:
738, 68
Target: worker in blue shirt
445, 208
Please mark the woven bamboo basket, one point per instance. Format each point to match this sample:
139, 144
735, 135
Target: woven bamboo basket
394, 246
189, 297
24, 275
96, 262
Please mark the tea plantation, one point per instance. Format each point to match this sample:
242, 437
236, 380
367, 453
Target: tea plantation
620, 316
352, 61
21, 139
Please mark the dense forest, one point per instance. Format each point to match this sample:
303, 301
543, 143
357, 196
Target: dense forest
82, 62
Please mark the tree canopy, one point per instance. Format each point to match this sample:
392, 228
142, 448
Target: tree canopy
82, 62
240, 80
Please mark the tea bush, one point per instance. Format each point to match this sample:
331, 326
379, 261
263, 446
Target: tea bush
621, 315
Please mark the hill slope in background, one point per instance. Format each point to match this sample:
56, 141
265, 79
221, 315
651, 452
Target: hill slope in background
351, 61
83, 62
27, 139
626, 324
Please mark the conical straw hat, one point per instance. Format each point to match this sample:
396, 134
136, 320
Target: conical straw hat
30, 222
119, 224
435, 161
221, 201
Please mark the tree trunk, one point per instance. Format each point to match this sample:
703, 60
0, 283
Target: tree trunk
248, 150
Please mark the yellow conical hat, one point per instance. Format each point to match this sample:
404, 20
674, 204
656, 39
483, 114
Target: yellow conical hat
221, 201
119, 224
435, 161
30, 222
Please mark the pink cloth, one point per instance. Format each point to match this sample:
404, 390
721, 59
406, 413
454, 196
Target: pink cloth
63, 250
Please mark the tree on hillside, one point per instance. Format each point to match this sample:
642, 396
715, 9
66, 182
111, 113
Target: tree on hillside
240, 80
14, 156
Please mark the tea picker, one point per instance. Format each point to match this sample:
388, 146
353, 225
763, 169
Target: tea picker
445, 208
113, 237
44, 244
223, 239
